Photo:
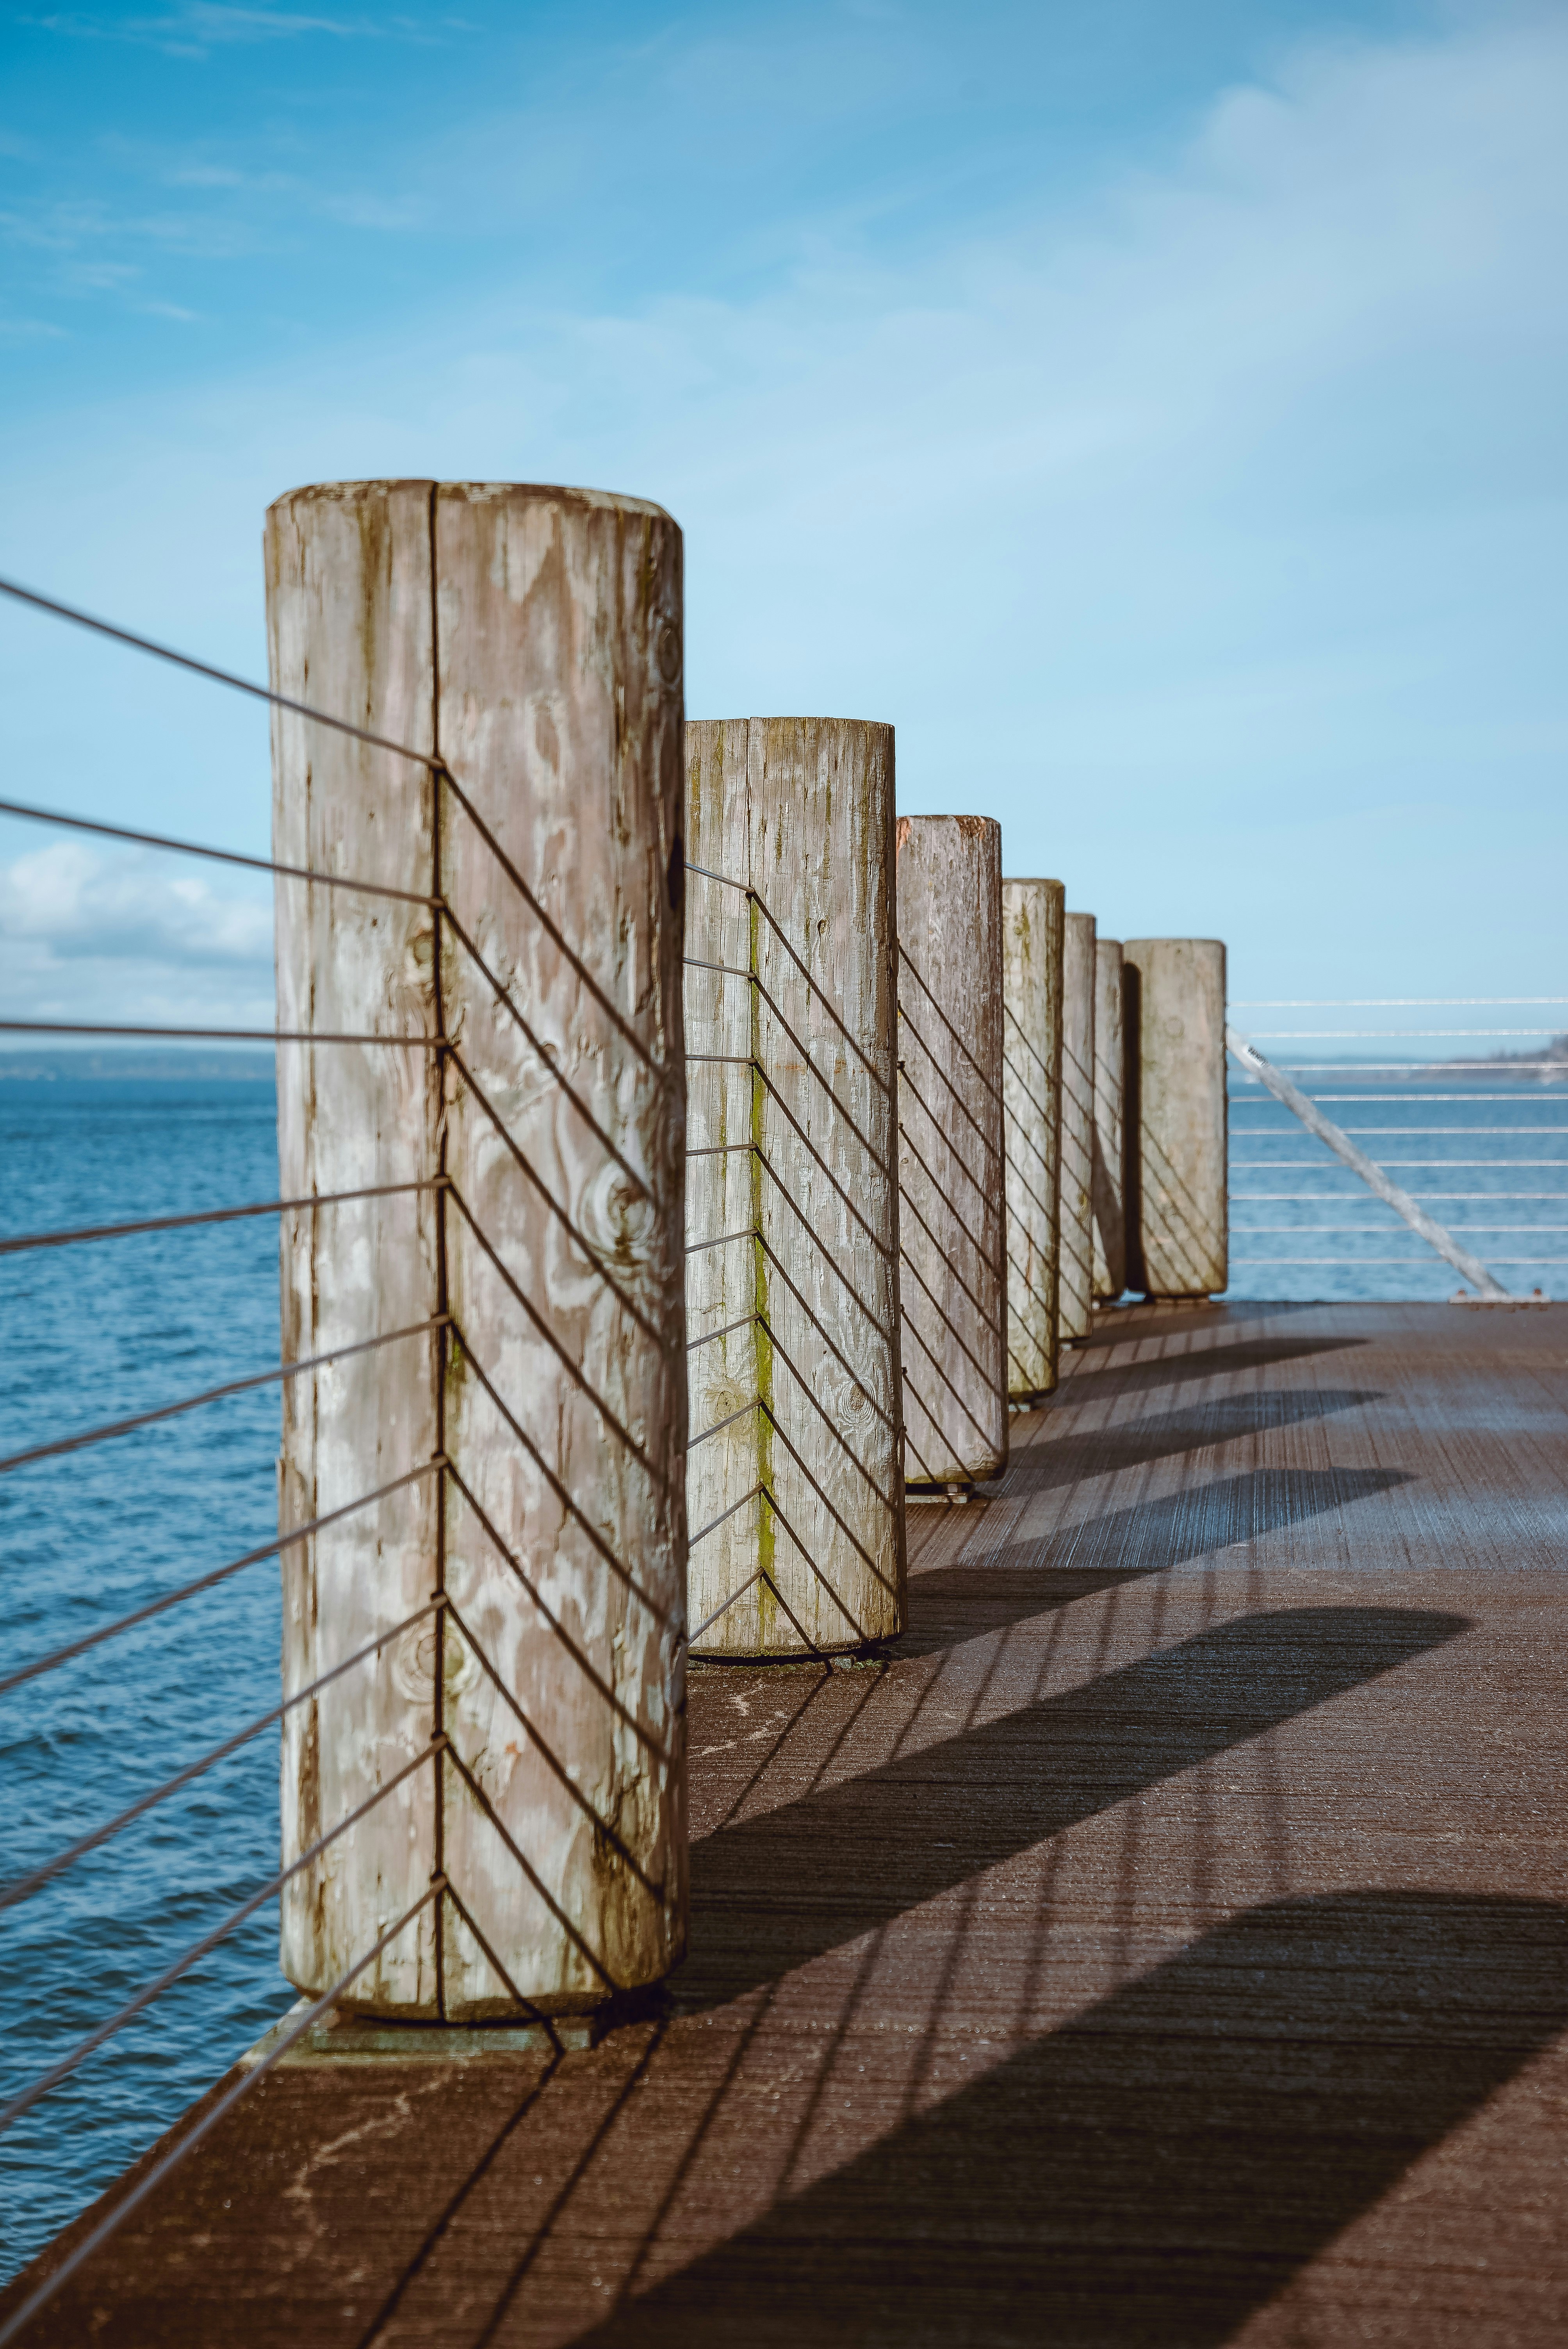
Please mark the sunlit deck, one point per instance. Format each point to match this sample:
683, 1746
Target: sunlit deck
1165, 1945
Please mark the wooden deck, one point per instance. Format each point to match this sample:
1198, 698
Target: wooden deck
1166, 1946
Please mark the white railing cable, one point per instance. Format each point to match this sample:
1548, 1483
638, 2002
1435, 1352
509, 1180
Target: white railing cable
1400, 1003
1384, 1035
1426, 1226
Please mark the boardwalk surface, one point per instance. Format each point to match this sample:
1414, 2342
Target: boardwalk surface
1166, 1946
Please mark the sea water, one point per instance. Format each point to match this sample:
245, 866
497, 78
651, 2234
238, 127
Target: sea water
92, 1333
1486, 1156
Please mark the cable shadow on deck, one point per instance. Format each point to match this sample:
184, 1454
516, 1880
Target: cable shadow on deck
1067, 1459
775, 1891
1161, 2168
1018, 1581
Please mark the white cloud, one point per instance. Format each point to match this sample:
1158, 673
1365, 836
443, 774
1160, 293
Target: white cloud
1205, 525
87, 937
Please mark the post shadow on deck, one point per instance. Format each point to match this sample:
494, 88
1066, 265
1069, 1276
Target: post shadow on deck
1169, 1434
1163, 2166
798, 2274
1023, 1579
773, 1892
1208, 1363
1019, 2185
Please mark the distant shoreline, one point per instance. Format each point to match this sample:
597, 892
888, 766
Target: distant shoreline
127, 1064
1551, 1059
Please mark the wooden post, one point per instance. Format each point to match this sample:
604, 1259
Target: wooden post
951, 1206
793, 1484
1032, 914
1075, 1287
530, 638
1178, 1234
1109, 1128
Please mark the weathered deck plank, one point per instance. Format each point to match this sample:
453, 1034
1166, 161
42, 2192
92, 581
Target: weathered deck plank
1166, 1946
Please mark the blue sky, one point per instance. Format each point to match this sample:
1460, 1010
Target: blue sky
1156, 411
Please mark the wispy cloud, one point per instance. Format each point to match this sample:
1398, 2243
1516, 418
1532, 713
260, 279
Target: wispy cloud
97, 247
84, 236
196, 29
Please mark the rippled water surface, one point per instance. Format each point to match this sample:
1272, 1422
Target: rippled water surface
97, 1332
1488, 1162
92, 1334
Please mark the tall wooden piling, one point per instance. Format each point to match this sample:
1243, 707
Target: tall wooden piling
951, 1158
794, 1489
1109, 1125
1177, 1226
1032, 914
522, 1603
1075, 1289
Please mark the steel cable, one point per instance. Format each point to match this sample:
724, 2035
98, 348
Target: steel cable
578, 1239
182, 1964
22, 1888
905, 962
216, 856
662, 1615
207, 1581
216, 676
600, 1826
39, 2299
215, 1394
216, 1216
217, 1035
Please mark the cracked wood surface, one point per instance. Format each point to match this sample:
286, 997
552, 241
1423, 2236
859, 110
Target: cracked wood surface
532, 636
1075, 1286
792, 1323
1032, 1126
952, 1155
1166, 1946
1109, 1123
1178, 1204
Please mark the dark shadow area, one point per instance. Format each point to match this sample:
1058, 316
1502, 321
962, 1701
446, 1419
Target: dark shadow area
1122, 1327
1131, 1121
1067, 1459
773, 1892
1092, 1383
1157, 2170
1020, 1579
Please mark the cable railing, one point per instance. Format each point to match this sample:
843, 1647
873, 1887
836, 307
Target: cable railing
1448, 1160
501, 1444
953, 1165
429, 1518
803, 1193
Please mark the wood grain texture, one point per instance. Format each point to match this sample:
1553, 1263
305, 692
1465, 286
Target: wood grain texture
794, 1119
1075, 1291
1169, 1945
1110, 1123
951, 1154
532, 636
1178, 1206
1032, 913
